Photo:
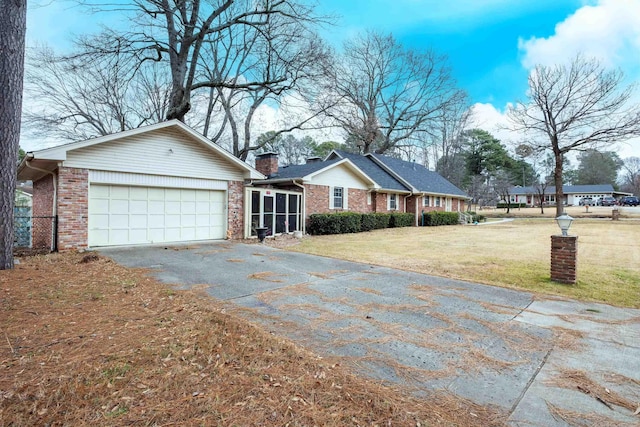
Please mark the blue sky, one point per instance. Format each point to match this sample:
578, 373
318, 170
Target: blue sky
479, 37
491, 44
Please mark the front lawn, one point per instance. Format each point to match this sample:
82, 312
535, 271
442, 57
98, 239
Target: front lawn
509, 254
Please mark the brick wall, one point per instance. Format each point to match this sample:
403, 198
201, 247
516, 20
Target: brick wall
235, 214
42, 230
357, 201
564, 254
73, 208
317, 199
381, 203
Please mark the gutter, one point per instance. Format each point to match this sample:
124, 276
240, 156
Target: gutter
54, 207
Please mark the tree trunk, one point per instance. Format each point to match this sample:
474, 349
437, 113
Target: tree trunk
557, 180
12, 34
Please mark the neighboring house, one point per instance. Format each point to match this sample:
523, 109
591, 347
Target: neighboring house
572, 194
159, 183
344, 182
22, 216
167, 183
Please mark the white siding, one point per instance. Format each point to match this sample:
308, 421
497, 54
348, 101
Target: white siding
143, 180
165, 151
339, 176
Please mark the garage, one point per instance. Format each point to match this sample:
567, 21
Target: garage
154, 184
125, 215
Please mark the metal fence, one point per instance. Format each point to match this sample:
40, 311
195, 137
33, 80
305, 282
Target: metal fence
38, 233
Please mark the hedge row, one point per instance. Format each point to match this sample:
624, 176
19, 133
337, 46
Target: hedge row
503, 205
352, 222
435, 218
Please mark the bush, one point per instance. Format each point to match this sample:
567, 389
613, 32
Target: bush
478, 217
381, 220
336, 223
351, 222
511, 205
401, 220
436, 218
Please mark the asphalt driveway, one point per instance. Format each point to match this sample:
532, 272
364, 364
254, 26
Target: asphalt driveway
541, 362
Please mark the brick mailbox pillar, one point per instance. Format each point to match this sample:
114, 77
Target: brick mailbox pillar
564, 258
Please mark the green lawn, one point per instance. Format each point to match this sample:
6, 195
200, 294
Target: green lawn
509, 254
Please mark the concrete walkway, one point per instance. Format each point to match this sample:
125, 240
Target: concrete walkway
540, 362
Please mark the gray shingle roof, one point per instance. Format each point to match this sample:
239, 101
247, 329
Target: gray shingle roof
420, 177
417, 176
375, 171
299, 171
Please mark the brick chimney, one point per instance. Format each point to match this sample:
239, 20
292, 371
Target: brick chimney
267, 163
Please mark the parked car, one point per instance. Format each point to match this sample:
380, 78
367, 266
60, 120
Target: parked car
586, 201
629, 201
606, 201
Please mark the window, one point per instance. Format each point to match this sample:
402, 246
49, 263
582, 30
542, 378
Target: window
338, 197
393, 202
368, 198
438, 201
425, 201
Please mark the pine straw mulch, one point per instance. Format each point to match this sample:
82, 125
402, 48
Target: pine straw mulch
88, 342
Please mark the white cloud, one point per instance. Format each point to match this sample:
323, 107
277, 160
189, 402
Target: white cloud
494, 121
608, 31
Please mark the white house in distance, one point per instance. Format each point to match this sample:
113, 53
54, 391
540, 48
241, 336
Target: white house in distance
572, 193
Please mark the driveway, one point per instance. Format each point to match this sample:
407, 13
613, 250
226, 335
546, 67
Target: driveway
539, 361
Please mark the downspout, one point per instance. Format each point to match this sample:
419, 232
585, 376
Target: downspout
304, 205
54, 207
418, 204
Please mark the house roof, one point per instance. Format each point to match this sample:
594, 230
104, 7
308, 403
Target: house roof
48, 158
385, 180
307, 171
419, 178
567, 189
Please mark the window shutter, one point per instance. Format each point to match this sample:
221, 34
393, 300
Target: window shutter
345, 198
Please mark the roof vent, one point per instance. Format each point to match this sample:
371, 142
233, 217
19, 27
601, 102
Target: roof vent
314, 159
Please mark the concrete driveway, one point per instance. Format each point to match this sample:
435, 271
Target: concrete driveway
541, 362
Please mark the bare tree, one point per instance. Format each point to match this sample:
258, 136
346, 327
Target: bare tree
178, 31
631, 175
12, 36
445, 142
389, 95
286, 55
74, 98
574, 108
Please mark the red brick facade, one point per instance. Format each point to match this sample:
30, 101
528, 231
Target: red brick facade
564, 259
42, 230
235, 193
317, 199
357, 201
267, 163
73, 208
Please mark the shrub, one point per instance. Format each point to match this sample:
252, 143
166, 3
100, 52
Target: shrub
401, 220
436, 218
336, 223
478, 217
351, 222
503, 205
381, 220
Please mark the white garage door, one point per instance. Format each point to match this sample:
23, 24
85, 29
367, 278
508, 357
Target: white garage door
123, 215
